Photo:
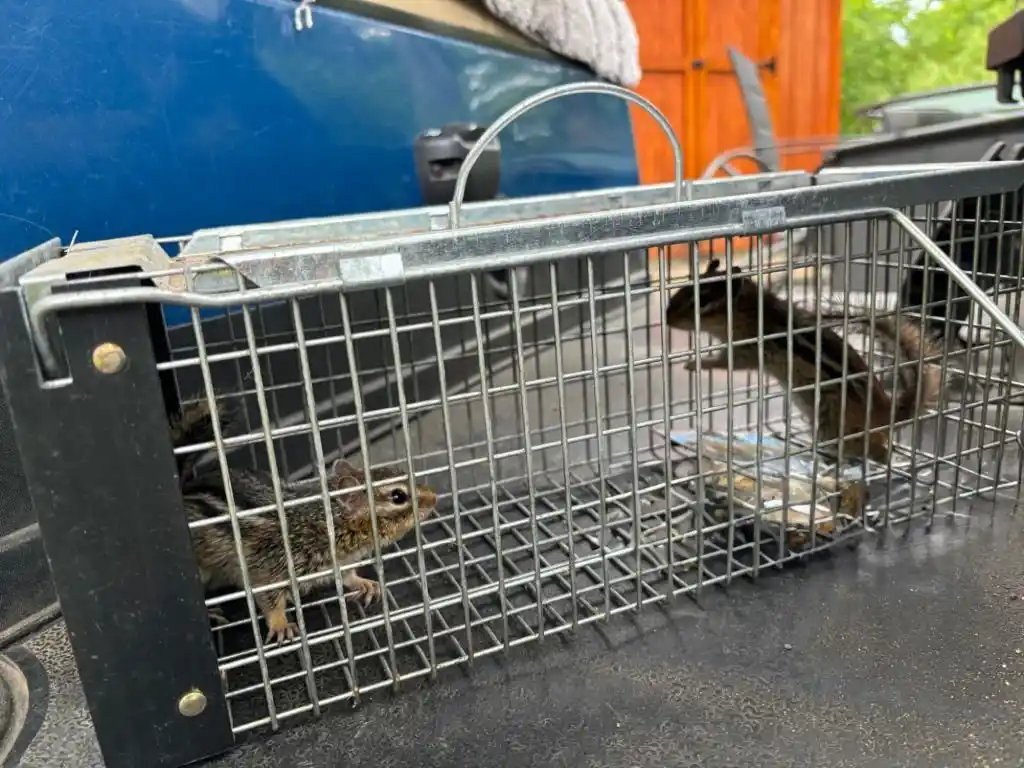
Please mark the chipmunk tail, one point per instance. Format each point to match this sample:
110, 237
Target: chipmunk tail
193, 426
919, 383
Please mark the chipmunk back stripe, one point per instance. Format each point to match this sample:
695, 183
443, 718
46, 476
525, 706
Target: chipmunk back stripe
740, 308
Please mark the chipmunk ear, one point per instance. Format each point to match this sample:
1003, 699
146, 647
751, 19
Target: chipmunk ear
715, 268
343, 467
345, 475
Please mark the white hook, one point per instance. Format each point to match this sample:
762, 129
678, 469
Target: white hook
304, 15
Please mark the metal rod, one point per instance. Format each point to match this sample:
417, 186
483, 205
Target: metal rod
558, 92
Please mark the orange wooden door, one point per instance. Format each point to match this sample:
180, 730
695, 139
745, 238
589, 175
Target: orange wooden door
687, 74
806, 101
751, 27
667, 43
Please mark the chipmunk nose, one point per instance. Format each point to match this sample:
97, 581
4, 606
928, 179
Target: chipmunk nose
676, 302
427, 497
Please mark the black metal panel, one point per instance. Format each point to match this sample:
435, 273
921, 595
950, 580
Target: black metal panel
25, 584
15, 507
962, 141
24, 573
102, 478
977, 241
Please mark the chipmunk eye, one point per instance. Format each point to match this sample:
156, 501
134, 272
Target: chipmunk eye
398, 496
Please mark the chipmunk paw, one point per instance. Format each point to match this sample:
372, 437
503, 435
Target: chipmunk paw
280, 629
365, 591
280, 634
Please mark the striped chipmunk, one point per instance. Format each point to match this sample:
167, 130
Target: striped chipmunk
262, 541
918, 382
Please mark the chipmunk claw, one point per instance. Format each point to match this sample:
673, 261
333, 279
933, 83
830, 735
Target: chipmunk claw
216, 616
280, 629
279, 635
365, 591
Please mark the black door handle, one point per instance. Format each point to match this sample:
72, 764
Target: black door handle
439, 154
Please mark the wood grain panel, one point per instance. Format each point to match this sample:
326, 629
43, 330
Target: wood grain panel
810, 55
666, 90
750, 27
662, 26
704, 103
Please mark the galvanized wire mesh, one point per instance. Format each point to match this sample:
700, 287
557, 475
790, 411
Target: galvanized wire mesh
575, 456
582, 470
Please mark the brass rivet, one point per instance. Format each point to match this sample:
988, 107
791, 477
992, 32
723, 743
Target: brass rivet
192, 703
108, 358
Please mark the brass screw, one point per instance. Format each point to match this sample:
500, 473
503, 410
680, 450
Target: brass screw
108, 358
192, 703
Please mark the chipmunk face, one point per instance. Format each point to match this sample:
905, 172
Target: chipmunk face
712, 296
392, 492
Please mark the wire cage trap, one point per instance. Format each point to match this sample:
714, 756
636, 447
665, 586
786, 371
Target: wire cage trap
514, 357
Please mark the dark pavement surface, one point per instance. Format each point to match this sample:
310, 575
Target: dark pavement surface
903, 653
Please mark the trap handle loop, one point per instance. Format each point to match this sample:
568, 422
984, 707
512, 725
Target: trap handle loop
559, 91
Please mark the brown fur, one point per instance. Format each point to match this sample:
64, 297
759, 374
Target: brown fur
194, 426
913, 347
264, 546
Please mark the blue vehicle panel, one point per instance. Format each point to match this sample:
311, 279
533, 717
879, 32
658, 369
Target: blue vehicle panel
125, 117
165, 116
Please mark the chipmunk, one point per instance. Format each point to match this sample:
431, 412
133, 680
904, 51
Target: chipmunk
775, 319
262, 542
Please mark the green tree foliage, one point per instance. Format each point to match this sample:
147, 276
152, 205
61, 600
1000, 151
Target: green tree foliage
900, 46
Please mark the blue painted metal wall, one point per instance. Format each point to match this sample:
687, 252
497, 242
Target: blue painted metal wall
164, 116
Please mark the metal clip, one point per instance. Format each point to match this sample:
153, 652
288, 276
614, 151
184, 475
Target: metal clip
764, 219
304, 15
377, 269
